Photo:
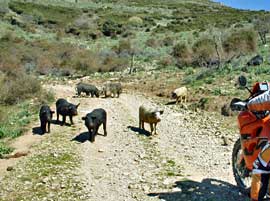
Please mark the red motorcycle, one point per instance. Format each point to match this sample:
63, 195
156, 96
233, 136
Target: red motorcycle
254, 129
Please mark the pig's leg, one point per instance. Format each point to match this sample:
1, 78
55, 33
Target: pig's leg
70, 117
151, 126
64, 120
49, 124
155, 128
43, 127
177, 100
104, 128
94, 133
91, 136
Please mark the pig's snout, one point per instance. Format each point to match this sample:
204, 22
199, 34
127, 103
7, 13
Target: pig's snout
158, 116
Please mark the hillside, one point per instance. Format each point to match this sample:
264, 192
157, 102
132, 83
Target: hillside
152, 47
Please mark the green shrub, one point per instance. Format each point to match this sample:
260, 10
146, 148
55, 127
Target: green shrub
217, 92
168, 41
38, 17
189, 71
4, 149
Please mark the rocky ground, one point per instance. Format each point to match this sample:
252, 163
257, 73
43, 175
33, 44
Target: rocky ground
187, 160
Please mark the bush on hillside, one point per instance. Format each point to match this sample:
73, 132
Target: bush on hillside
112, 64
111, 28
166, 61
183, 54
18, 86
240, 41
124, 48
168, 41
152, 42
135, 21
203, 51
83, 22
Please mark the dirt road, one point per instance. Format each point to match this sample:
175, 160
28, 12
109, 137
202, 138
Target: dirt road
185, 161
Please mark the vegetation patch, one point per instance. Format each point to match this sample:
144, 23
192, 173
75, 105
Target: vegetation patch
50, 173
45, 14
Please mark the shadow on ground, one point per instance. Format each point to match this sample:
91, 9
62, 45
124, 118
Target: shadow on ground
37, 131
82, 137
171, 103
139, 131
60, 123
207, 190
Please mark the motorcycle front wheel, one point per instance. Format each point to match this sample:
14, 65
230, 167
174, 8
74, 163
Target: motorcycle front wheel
241, 174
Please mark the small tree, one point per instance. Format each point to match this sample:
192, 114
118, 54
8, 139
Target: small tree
216, 35
262, 26
127, 48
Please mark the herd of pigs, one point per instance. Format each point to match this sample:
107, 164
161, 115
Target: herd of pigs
98, 116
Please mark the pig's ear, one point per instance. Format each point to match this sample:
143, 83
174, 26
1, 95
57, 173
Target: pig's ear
77, 105
83, 118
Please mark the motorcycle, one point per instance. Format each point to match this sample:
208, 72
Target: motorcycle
254, 129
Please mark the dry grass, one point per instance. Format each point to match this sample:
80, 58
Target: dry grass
17, 87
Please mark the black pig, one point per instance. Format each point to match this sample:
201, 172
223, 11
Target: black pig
93, 120
88, 89
64, 108
45, 116
255, 61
